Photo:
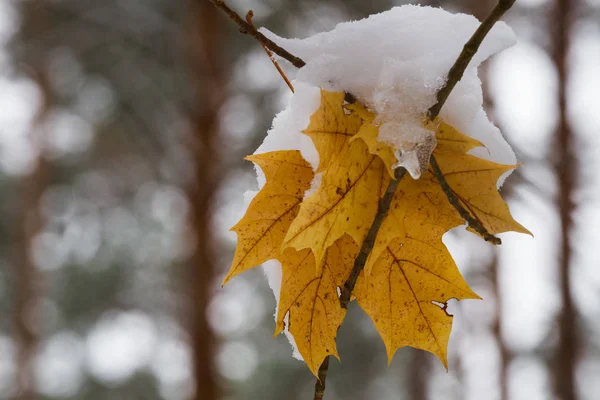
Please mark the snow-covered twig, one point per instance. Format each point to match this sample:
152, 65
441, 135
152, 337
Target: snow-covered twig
460, 65
252, 31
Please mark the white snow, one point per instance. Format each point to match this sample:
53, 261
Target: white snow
272, 270
314, 185
286, 133
394, 63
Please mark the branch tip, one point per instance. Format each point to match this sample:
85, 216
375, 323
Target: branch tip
248, 29
249, 16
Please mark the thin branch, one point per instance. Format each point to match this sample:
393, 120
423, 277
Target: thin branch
369, 243
460, 65
248, 29
249, 16
474, 223
320, 385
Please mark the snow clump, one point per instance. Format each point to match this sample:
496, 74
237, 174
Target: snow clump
394, 63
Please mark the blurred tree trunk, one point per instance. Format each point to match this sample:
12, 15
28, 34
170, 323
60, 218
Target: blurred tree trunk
206, 74
494, 266
480, 9
418, 375
566, 171
27, 279
30, 222
505, 355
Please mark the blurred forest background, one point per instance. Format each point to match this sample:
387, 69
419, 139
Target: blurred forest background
123, 126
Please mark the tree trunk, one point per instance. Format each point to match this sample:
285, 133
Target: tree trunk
505, 355
418, 375
566, 171
494, 266
480, 9
26, 274
206, 75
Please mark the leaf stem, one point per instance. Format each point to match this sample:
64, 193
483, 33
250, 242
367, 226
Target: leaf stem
322, 376
474, 223
248, 29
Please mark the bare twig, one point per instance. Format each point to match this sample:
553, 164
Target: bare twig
248, 29
460, 65
474, 223
367, 246
249, 16
320, 385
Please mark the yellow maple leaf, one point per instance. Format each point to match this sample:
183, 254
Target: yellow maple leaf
419, 208
473, 181
312, 300
399, 293
331, 126
449, 140
368, 133
269, 215
347, 199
